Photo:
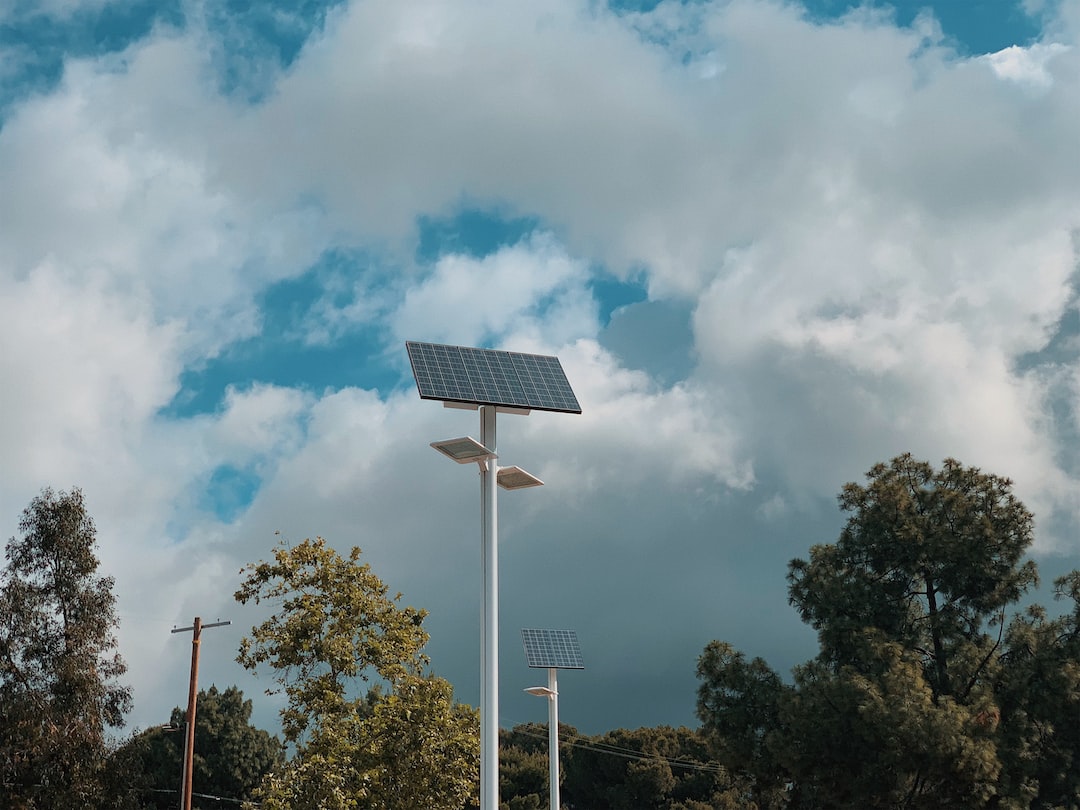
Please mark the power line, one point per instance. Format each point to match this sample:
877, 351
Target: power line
205, 796
627, 753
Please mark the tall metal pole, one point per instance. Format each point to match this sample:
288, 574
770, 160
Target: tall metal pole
489, 633
553, 736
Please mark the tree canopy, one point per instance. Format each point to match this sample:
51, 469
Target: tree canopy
59, 668
928, 559
231, 755
923, 694
403, 744
661, 768
931, 687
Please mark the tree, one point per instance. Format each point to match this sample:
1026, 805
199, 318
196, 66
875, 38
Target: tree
662, 768
58, 661
231, 755
929, 559
927, 563
408, 746
524, 777
918, 696
873, 737
1038, 693
739, 703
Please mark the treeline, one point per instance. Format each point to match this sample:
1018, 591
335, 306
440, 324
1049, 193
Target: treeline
231, 756
404, 743
931, 688
664, 768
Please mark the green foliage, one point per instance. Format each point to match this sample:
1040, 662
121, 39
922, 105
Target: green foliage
853, 739
740, 703
922, 695
335, 624
58, 659
927, 558
231, 755
663, 768
1039, 697
419, 747
406, 746
524, 778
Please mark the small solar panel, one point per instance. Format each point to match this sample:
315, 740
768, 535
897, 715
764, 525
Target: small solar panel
491, 377
552, 649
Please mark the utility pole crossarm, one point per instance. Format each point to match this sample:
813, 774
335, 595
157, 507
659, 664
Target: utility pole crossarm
203, 626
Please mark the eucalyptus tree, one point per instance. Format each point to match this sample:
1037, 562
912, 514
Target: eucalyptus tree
59, 666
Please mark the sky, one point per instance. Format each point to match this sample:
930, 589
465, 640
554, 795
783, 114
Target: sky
772, 244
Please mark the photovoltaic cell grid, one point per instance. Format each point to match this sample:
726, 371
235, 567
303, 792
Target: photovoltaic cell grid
552, 649
491, 377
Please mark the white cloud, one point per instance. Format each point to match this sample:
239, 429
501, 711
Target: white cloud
82, 373
1027, 66
264, 419
531, 287
632, 432
114, 187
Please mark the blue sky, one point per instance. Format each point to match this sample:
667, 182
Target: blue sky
772, 244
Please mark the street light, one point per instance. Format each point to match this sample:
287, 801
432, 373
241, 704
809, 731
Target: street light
492, 381
551, 692
464, 450
552, 650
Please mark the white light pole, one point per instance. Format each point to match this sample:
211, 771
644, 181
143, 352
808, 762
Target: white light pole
489, 609
551, 692
466, 450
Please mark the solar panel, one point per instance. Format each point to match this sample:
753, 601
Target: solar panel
491, 377
552, 649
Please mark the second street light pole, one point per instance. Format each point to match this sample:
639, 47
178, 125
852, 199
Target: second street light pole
553, 650
193, 694
551, 692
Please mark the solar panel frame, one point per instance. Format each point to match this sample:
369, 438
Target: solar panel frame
552, 649
491, 377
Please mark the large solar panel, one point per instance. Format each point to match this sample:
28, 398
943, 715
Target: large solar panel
552, 649
491, 377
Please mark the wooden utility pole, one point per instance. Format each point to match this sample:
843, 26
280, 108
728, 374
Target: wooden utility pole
193, 692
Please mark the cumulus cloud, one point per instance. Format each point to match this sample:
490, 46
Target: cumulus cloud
531, 287
81, 370
1026, 65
